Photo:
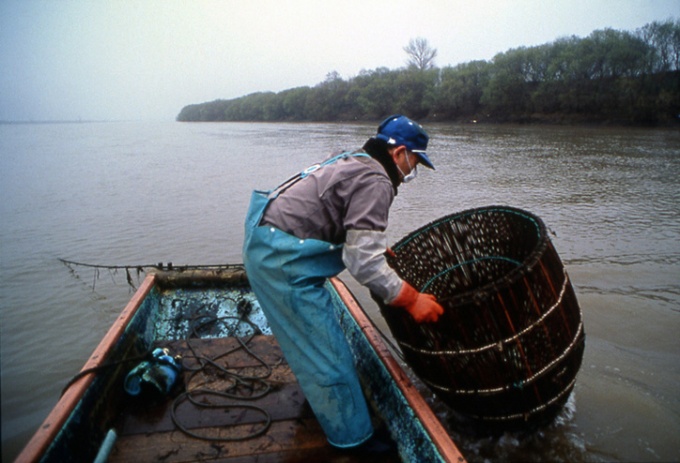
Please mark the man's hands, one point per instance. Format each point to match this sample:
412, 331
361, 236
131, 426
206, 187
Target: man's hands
423, 307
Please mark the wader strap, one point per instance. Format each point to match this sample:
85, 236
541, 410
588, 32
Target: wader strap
309, 170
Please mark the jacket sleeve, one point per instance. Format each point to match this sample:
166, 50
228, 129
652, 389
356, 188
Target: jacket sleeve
363, 255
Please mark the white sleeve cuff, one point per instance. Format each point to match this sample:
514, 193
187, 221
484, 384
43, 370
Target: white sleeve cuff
363, 255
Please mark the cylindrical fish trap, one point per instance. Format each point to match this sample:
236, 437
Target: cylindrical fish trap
510, 342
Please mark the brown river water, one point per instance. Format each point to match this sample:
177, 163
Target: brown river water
133, 193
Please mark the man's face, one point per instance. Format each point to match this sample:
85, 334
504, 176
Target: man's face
406, 162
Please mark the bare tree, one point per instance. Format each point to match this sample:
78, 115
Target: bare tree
420, 54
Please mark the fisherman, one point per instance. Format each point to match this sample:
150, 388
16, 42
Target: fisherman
329, 217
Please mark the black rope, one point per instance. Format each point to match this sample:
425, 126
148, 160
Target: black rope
257, 432
98, 368
254, 387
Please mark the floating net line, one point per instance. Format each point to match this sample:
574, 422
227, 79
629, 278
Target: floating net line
137, 269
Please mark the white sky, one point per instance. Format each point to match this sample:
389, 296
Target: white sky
146, 59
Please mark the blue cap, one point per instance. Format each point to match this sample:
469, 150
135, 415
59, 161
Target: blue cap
400, 130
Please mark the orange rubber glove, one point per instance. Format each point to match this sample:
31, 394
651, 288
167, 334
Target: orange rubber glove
423, 307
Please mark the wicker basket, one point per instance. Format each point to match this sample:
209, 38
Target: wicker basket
511, 340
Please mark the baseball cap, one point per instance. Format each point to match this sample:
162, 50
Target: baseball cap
400, 130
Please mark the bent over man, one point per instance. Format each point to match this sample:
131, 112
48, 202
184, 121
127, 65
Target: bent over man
330, 217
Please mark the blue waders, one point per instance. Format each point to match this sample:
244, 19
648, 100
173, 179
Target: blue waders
288, 276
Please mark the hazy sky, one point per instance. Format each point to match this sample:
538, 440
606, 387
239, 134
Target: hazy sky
146, 59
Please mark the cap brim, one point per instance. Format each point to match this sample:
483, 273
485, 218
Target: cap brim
424, 159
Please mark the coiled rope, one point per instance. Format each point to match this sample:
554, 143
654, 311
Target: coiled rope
242, 388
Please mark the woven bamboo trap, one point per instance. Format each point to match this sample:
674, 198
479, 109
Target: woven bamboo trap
511, 340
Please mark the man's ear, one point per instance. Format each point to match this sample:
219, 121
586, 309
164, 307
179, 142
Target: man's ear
392, 151
396, 151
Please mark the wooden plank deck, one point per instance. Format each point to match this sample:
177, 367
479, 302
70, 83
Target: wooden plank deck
147, 431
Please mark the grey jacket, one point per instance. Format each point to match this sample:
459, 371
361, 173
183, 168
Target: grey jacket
346, 202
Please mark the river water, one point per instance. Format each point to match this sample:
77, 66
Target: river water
131, 193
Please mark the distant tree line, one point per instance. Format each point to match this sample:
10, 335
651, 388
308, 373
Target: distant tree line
610, 76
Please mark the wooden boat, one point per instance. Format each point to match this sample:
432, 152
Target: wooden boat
213, 321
